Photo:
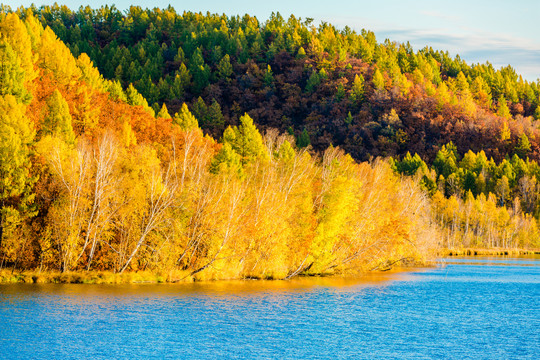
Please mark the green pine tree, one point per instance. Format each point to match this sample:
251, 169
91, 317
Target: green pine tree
246, 140
268, 77
303, 140
200, 110
185, 119
214, 117
200, 71
227, 161
224, 67
523, 147
313, 81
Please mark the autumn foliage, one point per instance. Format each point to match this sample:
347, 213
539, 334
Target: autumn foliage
122, 173
92, 179
319, 83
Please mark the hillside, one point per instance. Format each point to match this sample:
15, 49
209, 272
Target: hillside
214, 177
324, 85
93, 180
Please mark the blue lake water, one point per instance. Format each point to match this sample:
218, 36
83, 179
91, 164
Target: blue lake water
469, 308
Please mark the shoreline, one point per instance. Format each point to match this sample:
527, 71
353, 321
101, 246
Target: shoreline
142, 277
8, 276
488, 252
85, 277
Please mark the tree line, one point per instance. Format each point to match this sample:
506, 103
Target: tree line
479, 202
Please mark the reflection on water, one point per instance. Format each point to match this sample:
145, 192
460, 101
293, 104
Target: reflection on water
458, 310
211, 288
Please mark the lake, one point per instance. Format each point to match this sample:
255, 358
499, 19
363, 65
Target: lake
477, 308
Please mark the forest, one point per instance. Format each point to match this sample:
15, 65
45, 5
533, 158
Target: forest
213, 147
321, 84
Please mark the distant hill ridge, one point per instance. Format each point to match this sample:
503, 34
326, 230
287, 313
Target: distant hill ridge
321, 84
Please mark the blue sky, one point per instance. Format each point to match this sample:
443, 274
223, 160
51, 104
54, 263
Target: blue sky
498, 31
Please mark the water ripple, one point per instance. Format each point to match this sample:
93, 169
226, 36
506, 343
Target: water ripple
473, 310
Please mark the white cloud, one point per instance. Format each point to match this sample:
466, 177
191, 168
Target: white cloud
440, 15
476, 47
452, 33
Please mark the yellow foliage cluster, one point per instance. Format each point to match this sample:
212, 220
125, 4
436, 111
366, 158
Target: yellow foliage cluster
480, 223
120, 190
285, 216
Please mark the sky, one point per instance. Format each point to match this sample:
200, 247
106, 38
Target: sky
498, 31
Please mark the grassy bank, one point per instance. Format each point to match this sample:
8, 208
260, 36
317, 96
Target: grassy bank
93, 277
487, 252
7, 276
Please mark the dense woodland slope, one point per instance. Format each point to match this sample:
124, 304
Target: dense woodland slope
92, 182
324, 86
95, 177
340, 86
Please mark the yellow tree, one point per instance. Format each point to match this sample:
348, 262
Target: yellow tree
378, 80
503, 110
70, 169
223, 219
357, 89
12, 75
151, 189
55, 58
334, 204
103, 202
134, 98
163, 113
58, 119
16, 136
89, 74
14, 31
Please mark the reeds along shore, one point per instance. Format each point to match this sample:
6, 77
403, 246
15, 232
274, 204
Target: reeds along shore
488, 252
8, 276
